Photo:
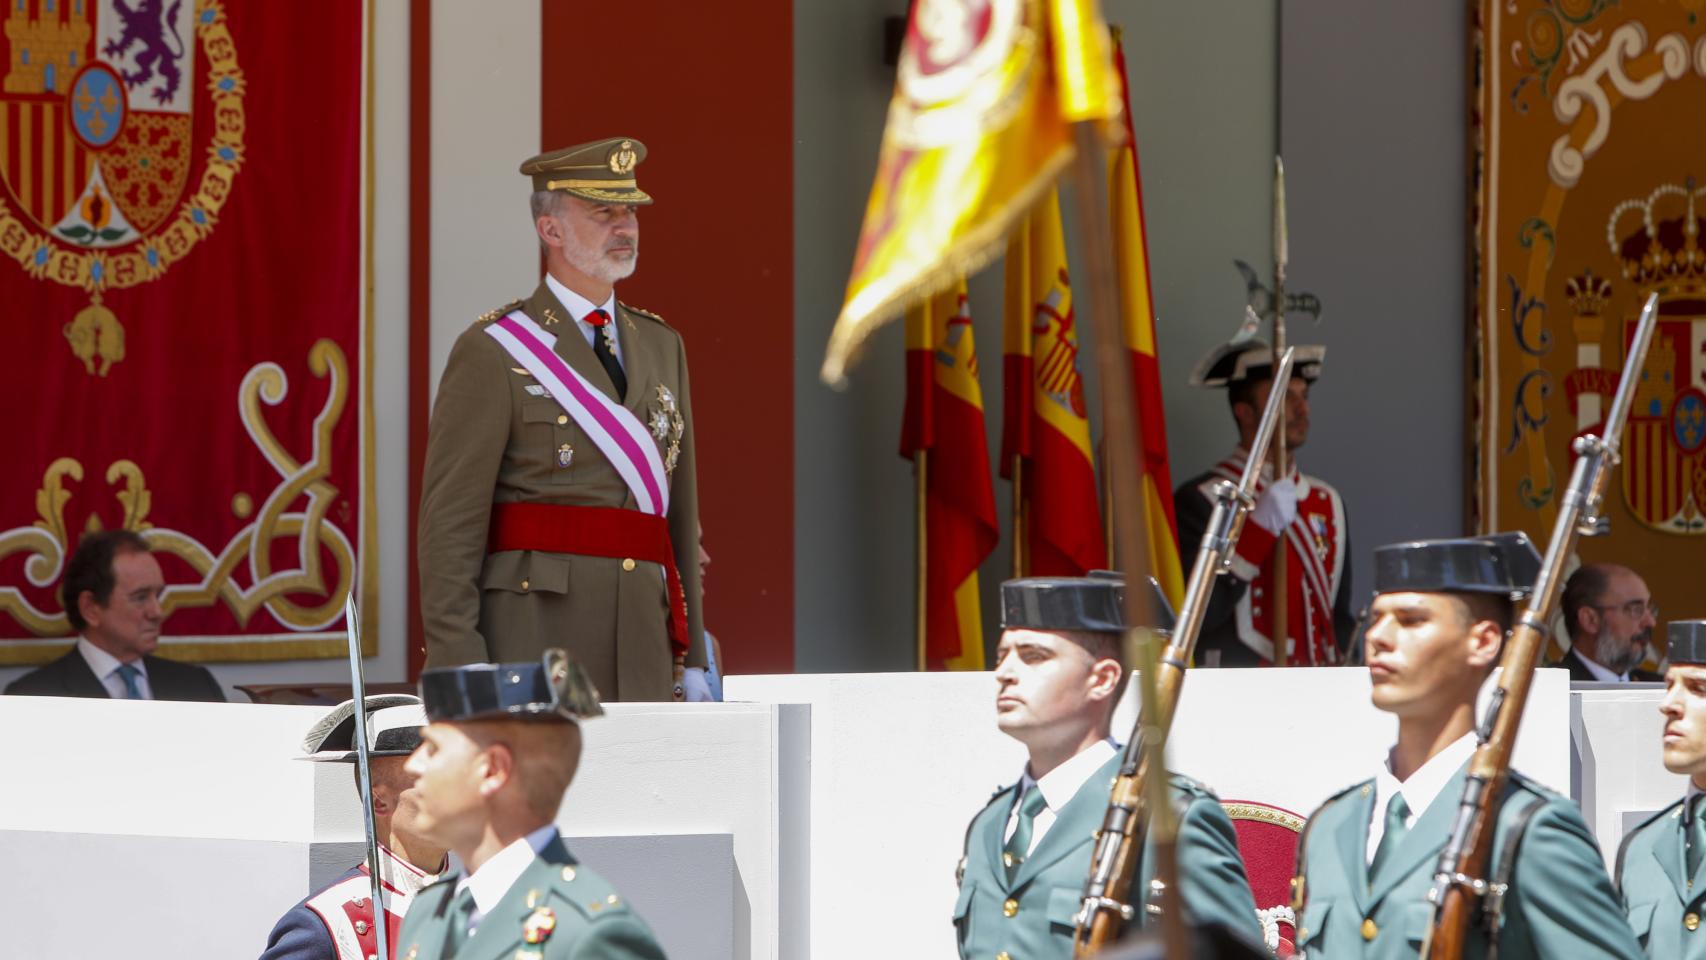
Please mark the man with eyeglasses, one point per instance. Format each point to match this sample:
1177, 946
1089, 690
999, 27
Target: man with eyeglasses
1610, 615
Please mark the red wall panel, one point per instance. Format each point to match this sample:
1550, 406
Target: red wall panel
711, 96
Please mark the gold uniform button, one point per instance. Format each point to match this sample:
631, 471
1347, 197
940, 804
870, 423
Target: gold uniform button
525, 584
562, 419
1003, 955
1010, 908
1691, 921
1369, 929
628, 564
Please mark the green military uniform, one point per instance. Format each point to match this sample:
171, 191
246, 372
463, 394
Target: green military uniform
1032, 916
556, 909
497, 437
1559, 903
1661, 901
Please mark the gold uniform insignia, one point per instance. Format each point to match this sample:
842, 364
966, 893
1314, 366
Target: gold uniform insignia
538, 925
667, 426
498, 313
623, 158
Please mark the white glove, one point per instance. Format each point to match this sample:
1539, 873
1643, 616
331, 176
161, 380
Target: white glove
697, 688
1276, 508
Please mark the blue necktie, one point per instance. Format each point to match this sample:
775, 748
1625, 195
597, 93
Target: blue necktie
128, 672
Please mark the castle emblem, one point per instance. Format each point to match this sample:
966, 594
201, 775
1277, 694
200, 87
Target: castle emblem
105, 178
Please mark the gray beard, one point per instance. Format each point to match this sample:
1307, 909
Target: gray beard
601, 267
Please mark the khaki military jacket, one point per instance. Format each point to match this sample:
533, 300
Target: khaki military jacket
497, 437
1032, 915
1559, 902
1664, 905
557, 910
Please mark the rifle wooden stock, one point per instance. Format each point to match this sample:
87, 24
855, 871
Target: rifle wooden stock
1108, 902
1461, 878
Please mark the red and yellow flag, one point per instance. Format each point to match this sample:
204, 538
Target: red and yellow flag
944, 416
1046, 424
1131, 254
978, 129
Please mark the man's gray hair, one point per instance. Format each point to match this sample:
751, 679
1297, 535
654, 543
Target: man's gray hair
544, 203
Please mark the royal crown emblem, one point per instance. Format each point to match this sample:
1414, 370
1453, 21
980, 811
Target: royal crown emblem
623, 158
98, 147
1657, 242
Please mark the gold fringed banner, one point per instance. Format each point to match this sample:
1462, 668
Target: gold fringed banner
1587, 149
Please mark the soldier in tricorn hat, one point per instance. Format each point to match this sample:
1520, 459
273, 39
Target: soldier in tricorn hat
336, 923
1659, 865
1300, 514
1058, 676
503, 744
559, 486
1367, 858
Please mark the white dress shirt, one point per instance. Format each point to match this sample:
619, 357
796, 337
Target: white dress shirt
579, 306
1600, 672
497, 875
1419, 791
1059, 786
105, 668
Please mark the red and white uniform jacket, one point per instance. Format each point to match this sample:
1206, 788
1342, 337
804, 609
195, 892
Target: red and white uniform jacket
337, 922
1238, 627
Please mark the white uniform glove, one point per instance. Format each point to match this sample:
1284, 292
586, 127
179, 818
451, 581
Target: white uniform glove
1276, 508
696, 687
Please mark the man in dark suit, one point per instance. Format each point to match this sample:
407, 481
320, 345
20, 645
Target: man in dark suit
111, 592
1610, 615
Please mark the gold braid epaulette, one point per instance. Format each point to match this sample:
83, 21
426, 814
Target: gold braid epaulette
500, 312
643, 313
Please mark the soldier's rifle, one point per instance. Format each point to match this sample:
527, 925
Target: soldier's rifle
1108, 902
364, 772
1460, 883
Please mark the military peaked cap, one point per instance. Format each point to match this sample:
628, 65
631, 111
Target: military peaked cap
394, 722
1685, 641
601, 171
1501, 563
553, 688
1095, 603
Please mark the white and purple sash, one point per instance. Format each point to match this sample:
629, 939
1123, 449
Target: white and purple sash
614, 429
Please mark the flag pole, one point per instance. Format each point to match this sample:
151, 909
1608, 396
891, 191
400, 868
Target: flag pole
921, 478
1279, 601
1019, 530
1123, 436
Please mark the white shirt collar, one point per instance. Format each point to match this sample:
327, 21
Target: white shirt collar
577, 305
497, 875
1421, 789
1061, 784
102, 663
1600, 672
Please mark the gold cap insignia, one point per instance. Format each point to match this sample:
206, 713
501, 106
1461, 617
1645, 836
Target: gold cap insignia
623, 157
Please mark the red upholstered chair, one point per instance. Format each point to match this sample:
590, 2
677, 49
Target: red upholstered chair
1267, 839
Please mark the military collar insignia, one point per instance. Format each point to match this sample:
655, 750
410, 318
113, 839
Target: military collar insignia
538, 925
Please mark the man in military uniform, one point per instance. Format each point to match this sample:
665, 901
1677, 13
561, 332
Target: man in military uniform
1367, 857
1303, 512
1659, 865
494, 762
336, 922
559, 506
1058, 677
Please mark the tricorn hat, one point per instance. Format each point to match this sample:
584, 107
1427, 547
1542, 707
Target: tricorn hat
394, 722
553, 688
1235, 362
1500, 563
601, 171
1685, 641
1095, 603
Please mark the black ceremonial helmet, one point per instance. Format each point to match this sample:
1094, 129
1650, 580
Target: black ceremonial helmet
1499, 563
1095, 603
554, 688
1685, 642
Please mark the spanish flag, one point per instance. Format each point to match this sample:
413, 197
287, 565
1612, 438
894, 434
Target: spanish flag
944, 416
1131, 254
979, 128
1045, 424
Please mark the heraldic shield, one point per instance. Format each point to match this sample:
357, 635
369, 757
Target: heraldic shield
98, 142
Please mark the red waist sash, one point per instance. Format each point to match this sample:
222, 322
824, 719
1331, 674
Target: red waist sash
594, 532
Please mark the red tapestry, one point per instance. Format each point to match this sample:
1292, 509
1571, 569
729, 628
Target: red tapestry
183, 349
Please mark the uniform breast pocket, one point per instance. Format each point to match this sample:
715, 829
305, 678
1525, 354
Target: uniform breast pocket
962, 912
1641, 921
554, 440
1312, 928
1062, 909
